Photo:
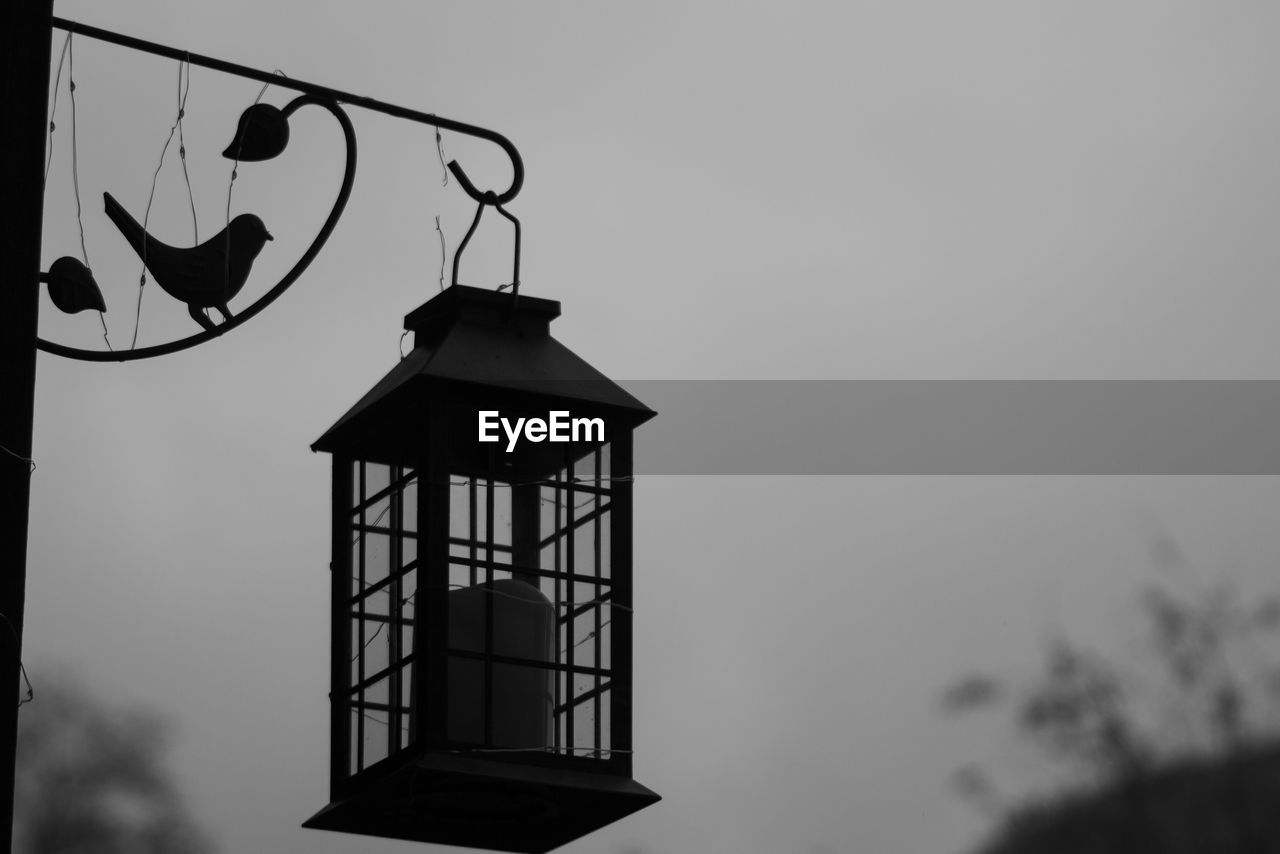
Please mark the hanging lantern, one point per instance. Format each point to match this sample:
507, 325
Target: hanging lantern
481, 583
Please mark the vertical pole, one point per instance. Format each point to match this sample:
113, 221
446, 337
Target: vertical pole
431, 611
340, 700
25, 32
620, 539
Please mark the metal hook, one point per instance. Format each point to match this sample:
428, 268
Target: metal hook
483, 199
517, 171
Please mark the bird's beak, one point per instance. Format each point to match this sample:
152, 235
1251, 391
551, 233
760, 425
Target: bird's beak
269, 237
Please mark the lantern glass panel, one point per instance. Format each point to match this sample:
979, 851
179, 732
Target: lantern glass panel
529, 608
380, 611
375, 737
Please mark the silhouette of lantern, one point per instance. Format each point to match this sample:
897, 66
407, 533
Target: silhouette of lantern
481, 583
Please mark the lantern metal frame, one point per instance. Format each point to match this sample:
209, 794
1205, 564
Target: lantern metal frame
480, 350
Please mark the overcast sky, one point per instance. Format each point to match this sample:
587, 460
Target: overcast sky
904, 190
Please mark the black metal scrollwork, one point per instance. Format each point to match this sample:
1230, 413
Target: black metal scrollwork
263, 133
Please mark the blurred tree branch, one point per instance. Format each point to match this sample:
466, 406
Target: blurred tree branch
1148, 785
91, 780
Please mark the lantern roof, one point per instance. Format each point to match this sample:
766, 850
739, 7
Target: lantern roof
488, 346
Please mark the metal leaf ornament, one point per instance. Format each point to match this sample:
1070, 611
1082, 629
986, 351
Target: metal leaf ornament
263, 132
71, 286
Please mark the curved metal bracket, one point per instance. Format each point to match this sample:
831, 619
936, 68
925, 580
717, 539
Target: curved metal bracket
517, 171
330, 99
340, 203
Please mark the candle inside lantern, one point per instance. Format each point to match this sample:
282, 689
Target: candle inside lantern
522, 696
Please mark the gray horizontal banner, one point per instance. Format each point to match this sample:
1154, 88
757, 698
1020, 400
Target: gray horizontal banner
821, 427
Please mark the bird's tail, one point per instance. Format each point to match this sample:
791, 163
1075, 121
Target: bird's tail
129, 227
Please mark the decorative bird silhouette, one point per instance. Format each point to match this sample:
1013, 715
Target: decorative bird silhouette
201, 276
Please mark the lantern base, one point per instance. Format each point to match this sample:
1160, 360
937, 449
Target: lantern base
448, 799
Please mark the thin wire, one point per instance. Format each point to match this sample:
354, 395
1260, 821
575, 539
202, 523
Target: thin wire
483, 482
444, 182
544, 499
31, 692
402, 337
443, 249
540, 750
591, 602
53, 111
75, 169
182, 144
146, 217
590, 635
546, 481
17, 642
444, 170
240, 143
377, 519
371, 639
552, 483
608, 602
19, 456
231, 183
577, 478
